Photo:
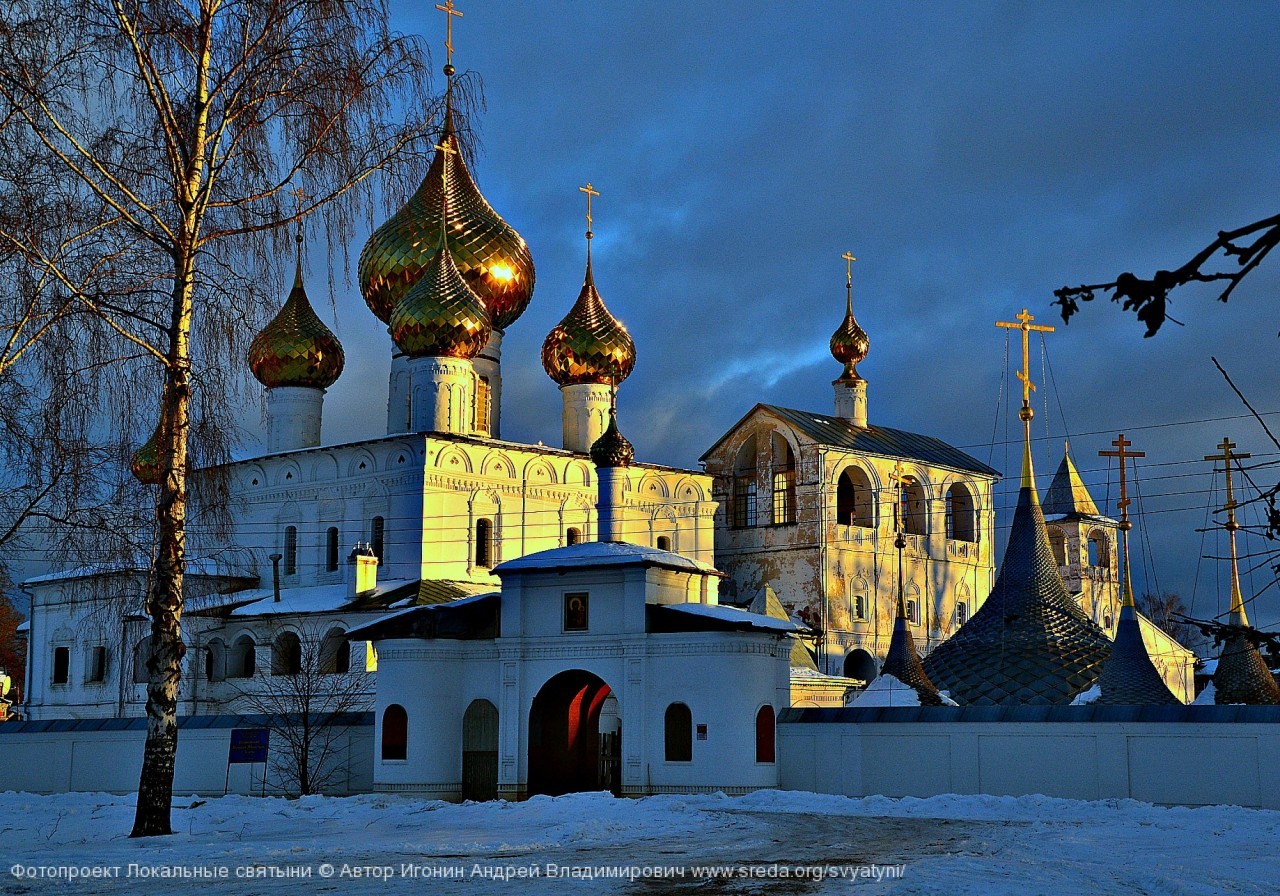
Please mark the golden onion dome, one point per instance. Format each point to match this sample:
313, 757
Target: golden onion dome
145, 463
441, 316
589, 345
849, 343
296, 348
492, 258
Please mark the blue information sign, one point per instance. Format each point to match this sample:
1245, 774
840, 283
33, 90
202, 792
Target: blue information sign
249, 745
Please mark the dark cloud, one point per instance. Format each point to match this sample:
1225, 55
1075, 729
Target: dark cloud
974, 156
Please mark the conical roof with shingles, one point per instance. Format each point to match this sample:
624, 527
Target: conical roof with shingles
1242, 675
1029, 643
1129, 678
903, 663
1067, 495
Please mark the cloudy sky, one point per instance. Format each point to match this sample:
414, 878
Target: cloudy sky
973, 156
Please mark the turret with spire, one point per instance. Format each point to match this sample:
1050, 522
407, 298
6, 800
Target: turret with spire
489, 254
1128, 676
1242, 675
297, 358
612, 454
1029, 643
588, 354
849, 346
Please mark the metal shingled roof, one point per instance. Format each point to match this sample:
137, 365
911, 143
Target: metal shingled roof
840, 433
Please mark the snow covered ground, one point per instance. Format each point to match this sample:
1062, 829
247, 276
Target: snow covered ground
767, 843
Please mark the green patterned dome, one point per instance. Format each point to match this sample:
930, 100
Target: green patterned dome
492, 258
296, 348
589, 345
145, 463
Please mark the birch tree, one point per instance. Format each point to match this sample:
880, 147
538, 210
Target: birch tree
147, 152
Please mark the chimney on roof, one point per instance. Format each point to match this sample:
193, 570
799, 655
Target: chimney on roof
364, 570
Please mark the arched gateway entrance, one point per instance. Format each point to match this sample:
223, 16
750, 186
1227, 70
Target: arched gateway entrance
575, 736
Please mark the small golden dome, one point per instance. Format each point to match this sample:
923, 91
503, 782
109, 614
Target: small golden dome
145, 463
849, 343
296, 348
441, 316
589, 345
612, 448
491, 256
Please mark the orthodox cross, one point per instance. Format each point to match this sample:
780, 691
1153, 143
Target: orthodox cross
1026, 326
849, 260
299, 196
590, 191
1122, 444
1227, 456
449, 14
899, 540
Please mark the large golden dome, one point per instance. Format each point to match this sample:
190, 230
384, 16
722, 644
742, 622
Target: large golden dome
589, 345
440, 316
296, 348
490, 255
849, 343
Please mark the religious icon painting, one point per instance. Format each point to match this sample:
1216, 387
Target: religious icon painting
575, 611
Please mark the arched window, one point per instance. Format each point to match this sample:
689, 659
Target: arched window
484, 543
1097, 548
961, 518
335, 653
860, 664
1058, 544
395, 732
331, 549
664, 543
215, 660
855, 499
377, 533
243, 660
764, 734
913, 611
914, 508
677, 727
290, 550
784, 481
743, 502
859, 601
482, 404
286, 655
572, 535
141, 657
962, 612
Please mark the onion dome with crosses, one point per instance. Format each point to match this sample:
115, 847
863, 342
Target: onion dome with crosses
849, 343
295, 348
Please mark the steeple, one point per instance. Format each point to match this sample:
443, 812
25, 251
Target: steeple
1029, 643
612, 454
1128, 676
849, 345
588, 353
1068, 495
1242, 675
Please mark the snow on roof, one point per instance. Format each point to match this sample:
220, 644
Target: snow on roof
24, 626
886, 690
602, 553
209, 568
734, 615
313, 599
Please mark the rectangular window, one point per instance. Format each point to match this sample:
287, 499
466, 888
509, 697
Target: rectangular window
482, 405
744, 502
61, 664
331, 549
913, 612
95, 667
784, 496
576, 605
962, 612
377, 533
291, 550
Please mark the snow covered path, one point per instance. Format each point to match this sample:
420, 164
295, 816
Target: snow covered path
767, 843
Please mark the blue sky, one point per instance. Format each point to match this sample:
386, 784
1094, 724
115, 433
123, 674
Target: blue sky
973, 156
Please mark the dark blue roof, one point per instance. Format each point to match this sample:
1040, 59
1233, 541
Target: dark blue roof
880, 440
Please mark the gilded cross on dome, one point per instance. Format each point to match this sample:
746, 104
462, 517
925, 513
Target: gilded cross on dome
849, 260
590, 191
1121, 452
1026, 326
449, 14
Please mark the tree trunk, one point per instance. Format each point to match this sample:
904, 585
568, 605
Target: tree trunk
164, 600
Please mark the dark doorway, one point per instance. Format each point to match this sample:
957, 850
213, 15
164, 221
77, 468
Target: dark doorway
568, 752
480, 751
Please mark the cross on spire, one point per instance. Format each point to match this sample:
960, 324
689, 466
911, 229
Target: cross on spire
299, 196
1024, 323
1227, 456
849, 260
590, 191
1121, 452
449, 14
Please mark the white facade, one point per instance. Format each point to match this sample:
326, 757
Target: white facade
523, 662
